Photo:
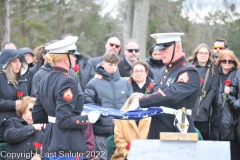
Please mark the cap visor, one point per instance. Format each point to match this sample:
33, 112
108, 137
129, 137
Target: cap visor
76, 53
159, 47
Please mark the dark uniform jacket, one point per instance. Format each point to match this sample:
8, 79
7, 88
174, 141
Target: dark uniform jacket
58, 96
110, 92
20, 137
42, 72
201, 110
154, 65
177, 87
125, 68
8, 90
224, 117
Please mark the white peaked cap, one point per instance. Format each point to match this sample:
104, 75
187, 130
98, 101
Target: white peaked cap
63, 46
167, 37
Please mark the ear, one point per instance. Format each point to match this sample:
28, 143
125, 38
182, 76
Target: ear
103, 63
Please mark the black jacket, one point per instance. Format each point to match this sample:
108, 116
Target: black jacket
45, 70
8, 89
201, 110
124, 69
224, 117
146, 88
86, 71
177, 87
154, 65
20, 137
58, 96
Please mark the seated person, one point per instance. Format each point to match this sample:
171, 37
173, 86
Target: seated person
20, 132
111, 91
126, 130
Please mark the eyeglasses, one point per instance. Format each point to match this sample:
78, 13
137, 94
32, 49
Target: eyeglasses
203, 53
218, 47
136, 71
225, 61
116, 46
131, 50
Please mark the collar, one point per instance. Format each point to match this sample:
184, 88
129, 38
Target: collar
60, 69
176, 63
196, 64
126, 65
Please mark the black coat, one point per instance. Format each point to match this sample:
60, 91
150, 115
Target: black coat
177, 87
8, 90
201, 111
146, 88
86, 71
224, 117
154, 65
125, 69
58, 96
20, 137
45, 70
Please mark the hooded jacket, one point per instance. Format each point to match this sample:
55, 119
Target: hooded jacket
8, 89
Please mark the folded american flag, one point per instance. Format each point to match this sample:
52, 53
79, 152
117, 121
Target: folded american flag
117, 114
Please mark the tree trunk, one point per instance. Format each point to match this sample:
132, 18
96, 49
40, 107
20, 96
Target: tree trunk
140, 24
128, 20
59, 18
23, 22
7, 30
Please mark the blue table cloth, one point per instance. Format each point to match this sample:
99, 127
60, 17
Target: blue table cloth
117, 114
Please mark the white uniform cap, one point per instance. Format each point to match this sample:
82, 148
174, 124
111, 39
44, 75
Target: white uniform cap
63, 46
164, 40
167, 37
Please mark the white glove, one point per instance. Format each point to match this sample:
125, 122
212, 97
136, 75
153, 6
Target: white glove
136, 94
93, 116
134, 105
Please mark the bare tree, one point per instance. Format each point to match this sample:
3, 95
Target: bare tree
7, 29
135, 22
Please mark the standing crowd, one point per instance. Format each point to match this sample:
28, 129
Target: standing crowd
43, 92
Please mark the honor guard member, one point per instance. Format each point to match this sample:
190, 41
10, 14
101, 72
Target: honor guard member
60, 103
176, 88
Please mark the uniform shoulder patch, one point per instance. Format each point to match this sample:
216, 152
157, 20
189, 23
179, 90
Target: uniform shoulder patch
68, 95
183, 77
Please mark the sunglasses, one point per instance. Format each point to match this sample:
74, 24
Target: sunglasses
131, 50
116, 46
218, 47
225, 61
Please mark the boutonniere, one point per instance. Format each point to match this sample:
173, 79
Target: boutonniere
202, 81
149, 87
225, 95
128, 146
76, 68
19, 95
37, 146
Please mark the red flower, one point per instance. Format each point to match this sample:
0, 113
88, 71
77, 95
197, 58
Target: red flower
128, 146
228, 82
130, 80
202, 80
19, 94
37, 145
149, 87
76, 68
